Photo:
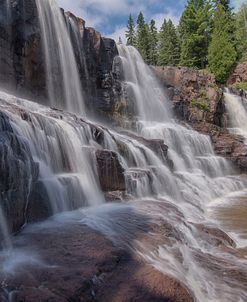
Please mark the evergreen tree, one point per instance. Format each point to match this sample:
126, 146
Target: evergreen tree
194, 28
153, 41
142, 38
130, 33
221, 53
169, 53
241, 31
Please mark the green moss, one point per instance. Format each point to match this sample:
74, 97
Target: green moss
215, 86
244, 58
240, 85
200, 104
122, 148
203, 93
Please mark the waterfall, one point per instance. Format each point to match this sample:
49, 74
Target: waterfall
237, 110
4, 231
61, 146
77, 37
197, 179
63, 81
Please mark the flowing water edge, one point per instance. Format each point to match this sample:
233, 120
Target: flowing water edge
174, 218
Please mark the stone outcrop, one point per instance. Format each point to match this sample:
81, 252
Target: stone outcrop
110, 171
21, 59
22, 62
197, 100
225, 144
195, 95
239, 74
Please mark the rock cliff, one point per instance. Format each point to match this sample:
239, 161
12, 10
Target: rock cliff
22, 62
198, 101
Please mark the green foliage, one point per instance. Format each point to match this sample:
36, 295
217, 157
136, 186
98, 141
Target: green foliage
194, 28
200, 104
241, 31
169, 53
209, 37
153, 41
143, 38
130, 32
241, 85
244, 58
221, 53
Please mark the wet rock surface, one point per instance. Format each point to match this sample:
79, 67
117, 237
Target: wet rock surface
198, 101
110, 171
22, 61
225, 144
194, 94
19, 173
74, 268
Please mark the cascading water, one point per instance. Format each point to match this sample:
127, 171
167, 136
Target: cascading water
199, 177
237, 110
63, 82
77, 35
62, 149
174, 197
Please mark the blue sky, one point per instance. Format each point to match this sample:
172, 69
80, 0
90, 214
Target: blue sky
110, 16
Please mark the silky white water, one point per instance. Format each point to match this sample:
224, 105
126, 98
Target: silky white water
198, 178
237, 111
60, 146
63, 81
173, 198
77, 36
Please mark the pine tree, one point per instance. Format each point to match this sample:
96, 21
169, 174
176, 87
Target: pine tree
153, 41
241, 31
169, 53
142, 38
221, 54
130, 32
194, 28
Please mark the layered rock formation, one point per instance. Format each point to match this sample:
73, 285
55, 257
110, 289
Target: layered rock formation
198, 100
22, 61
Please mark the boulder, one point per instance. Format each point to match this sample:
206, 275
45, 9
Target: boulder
110, 171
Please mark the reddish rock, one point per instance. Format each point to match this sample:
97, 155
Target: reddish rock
239, 74
84, 266
195, 95
110, 171
228, 145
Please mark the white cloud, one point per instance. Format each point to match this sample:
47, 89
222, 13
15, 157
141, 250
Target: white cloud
118, 33
97, 13
159, 19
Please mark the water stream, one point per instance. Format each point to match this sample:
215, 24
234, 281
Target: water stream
62, 75
199, 178
237, 110
175, 198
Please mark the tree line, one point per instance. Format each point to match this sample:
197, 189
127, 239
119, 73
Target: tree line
209, 36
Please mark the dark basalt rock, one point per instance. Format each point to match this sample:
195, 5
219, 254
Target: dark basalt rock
21, 59
22, 62
110, 170
18, 173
